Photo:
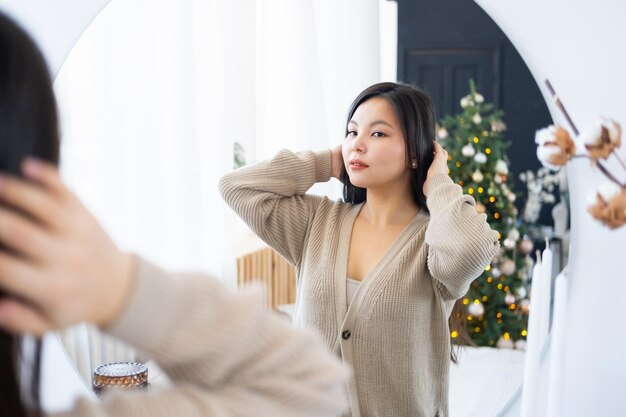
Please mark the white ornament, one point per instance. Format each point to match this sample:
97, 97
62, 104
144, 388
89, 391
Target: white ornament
514, 234
509, 243
504, 343
477, 119
442, 133
511, 197
509, 298
480, 157
497, 179
476, 310
521, 292
477, 176
496, 273
465, 101
479, 98
468, 150
501, 167
498, 126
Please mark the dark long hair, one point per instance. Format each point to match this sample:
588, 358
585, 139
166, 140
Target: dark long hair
28, 127
416, 113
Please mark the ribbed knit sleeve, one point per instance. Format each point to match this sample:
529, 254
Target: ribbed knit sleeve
225, 354
460, 242
270, 197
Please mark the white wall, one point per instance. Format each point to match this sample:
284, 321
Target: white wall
579, 45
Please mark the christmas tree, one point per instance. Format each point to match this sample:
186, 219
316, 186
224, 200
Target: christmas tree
496, 303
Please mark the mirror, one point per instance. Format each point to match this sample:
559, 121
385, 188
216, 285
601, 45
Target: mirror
143, 145
152, 100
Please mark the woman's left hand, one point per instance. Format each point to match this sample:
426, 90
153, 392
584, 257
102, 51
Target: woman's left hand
57, 265
439, 166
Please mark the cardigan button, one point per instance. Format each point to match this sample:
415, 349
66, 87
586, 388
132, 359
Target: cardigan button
346, 335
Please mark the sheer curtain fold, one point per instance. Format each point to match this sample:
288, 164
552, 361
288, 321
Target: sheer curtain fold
155, 94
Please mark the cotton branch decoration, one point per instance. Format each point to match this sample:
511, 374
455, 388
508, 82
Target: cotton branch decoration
597, 142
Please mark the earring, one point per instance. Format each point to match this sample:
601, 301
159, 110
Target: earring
414, 164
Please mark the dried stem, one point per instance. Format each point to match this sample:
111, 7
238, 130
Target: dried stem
561, 107
609, 175
619, 159
575, 130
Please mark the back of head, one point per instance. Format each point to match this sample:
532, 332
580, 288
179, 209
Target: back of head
28, 127
28, 116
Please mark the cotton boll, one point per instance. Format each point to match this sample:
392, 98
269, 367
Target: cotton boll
545, 153
614, 129
591, 134
608, 190
547, 134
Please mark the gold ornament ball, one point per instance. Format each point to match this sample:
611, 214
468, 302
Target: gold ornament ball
526, 246
507, 267
524, 306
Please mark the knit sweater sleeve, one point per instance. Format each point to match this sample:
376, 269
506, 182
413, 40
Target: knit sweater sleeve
225, 354
460, 242
270, 197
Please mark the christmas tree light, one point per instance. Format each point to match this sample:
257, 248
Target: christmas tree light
478, 163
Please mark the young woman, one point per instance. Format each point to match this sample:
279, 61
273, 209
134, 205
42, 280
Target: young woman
379, 273
225, 355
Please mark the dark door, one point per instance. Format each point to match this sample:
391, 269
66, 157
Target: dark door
444, 43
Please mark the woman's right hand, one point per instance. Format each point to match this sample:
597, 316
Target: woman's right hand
336, 162
57, 265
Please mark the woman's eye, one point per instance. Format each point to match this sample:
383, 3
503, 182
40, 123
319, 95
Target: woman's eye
378, 134
351, 132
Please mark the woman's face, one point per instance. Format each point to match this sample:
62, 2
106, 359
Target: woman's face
374, 151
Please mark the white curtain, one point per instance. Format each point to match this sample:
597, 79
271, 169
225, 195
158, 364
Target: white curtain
155, 93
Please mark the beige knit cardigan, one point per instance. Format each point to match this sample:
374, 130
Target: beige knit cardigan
395, 332
225, 354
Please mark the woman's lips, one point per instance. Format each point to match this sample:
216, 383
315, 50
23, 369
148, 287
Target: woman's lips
357, 165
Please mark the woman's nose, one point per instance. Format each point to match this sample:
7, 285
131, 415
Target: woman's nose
358, 144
